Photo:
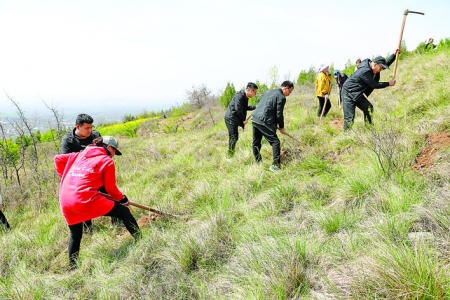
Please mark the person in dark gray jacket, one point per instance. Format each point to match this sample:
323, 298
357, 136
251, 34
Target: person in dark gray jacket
360, 85
237, 113
76, 140
267, 118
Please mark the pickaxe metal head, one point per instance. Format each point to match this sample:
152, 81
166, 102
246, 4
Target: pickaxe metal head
413, 12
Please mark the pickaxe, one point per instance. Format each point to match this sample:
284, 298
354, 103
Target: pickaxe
107, 196
401, 36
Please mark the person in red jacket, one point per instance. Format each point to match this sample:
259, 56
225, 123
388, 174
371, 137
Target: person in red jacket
82, 175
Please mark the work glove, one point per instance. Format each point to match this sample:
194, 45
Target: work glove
124, 201
326, 96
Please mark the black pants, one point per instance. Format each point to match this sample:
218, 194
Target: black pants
114, 221
349, 107
88, 226
3, 220
260, 131
321, 104
76, 230
233, 135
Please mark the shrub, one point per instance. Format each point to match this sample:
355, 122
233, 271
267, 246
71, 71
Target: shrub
262, 88
180, 110
128, 118
389, 147
49, 136
307, 77
227, 95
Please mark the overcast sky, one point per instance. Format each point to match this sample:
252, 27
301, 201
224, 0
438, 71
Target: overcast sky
147, 54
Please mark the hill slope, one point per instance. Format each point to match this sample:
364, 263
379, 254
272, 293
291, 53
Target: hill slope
350, 216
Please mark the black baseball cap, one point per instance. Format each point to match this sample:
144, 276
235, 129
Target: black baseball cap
381, 61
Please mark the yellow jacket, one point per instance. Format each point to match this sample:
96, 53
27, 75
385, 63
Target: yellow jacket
323, 84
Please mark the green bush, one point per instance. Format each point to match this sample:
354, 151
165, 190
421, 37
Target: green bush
9, 151
128, 118
227, 95
180, 110
262, 88
444, 44
307, 77
349, 68
48, 136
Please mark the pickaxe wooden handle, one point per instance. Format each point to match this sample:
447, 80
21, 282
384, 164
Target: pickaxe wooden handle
324, 106
326, 99
107, 196
291, 137
248, 118
154, 210
401, 36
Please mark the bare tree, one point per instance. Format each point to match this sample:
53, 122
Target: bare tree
10, 157
59, 130
199, 97
22, 128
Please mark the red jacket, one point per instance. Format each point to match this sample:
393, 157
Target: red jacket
82, 175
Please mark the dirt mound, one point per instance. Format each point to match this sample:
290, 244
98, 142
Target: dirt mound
288, 155
147, 220
337, 123
435, 142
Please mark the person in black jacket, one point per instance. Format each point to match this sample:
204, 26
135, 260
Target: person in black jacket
267, 118
429, 45
76, 140
360, 85
236, 114
81, 136
341, 77
2, 216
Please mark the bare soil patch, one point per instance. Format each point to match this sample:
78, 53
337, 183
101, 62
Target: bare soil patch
436, 142
337, 123
148, 219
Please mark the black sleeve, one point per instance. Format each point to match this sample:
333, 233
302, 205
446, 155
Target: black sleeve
368, 79
239, 107
66, 145
390, 60
281, 101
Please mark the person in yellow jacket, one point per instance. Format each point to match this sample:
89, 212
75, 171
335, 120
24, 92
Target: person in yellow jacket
323, 89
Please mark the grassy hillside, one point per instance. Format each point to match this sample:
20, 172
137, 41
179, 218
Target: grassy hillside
352, 214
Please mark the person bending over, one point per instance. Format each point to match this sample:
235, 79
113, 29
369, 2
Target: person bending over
236, 114
82, 175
